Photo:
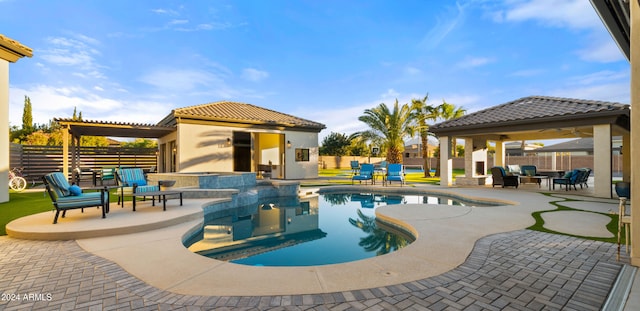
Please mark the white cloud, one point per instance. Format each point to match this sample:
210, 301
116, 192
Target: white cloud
412, 70
445, 24
165, 11
603, 50
179, 80
254, 75
600, 77
471, 62
577, 14
614, 92
527, 73
178, 22
79, 52
50, 102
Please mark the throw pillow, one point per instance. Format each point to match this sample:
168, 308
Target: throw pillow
75, 190
568, 174
529, 172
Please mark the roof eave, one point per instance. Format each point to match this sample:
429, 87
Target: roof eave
615, 16
608, 116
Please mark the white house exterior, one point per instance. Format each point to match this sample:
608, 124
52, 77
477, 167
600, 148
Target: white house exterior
237, 137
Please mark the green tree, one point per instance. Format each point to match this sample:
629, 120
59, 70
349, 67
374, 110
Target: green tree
449, 112
27, 116
335, 144
140, 143
388, 128
423, 113
358, 147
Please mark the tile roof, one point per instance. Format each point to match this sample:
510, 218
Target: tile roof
532, 109
234, 112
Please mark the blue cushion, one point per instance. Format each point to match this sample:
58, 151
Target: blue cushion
75, 190
139, 182
568, 174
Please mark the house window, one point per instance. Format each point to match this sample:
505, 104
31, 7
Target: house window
302, 155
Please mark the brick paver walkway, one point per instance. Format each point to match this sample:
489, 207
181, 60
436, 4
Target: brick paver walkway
521, 270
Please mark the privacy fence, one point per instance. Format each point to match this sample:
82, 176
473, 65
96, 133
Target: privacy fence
37, 161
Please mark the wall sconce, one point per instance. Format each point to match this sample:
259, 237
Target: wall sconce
228, 141
288, 144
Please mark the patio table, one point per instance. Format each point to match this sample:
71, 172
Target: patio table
162, 195
535, 180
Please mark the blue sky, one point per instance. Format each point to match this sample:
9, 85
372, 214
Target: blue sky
327, 61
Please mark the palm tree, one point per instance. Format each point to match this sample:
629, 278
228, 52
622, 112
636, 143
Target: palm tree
378, 240
448, 112
389, 128
423, 113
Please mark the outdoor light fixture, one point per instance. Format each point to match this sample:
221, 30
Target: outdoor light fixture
288, 144
228, 141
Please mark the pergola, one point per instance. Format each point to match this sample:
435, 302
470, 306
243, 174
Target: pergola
78, 128
537, 118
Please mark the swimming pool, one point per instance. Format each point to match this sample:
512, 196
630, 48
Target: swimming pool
328, 228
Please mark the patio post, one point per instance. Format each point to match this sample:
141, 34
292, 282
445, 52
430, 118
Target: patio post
498, 158
446, 162
4, 124
602, 161
635, 131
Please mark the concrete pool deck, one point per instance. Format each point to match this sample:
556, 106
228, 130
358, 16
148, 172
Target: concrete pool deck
149, 247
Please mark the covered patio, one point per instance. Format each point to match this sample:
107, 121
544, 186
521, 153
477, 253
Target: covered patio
536, 118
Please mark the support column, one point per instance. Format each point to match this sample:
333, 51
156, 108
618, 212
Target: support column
626, 157
498, 159
65, 151
4, 130
602, 159
446, 163
635, 132
469, 170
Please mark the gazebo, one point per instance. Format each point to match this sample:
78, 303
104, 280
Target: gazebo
536, 117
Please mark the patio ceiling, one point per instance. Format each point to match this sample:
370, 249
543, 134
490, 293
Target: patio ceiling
538, 117
114, 129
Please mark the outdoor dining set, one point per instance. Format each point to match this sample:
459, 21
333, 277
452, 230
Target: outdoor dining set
129, 181
515, 175
368, 172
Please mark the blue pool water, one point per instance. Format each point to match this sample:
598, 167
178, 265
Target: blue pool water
325, 229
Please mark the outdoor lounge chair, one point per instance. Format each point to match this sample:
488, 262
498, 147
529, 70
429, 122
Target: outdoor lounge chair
528, 170
366, 173
395, 172
66, 197
132, 180
107, 174
355, 167
501, 178
578, 176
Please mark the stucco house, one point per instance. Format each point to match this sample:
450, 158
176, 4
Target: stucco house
237, 137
